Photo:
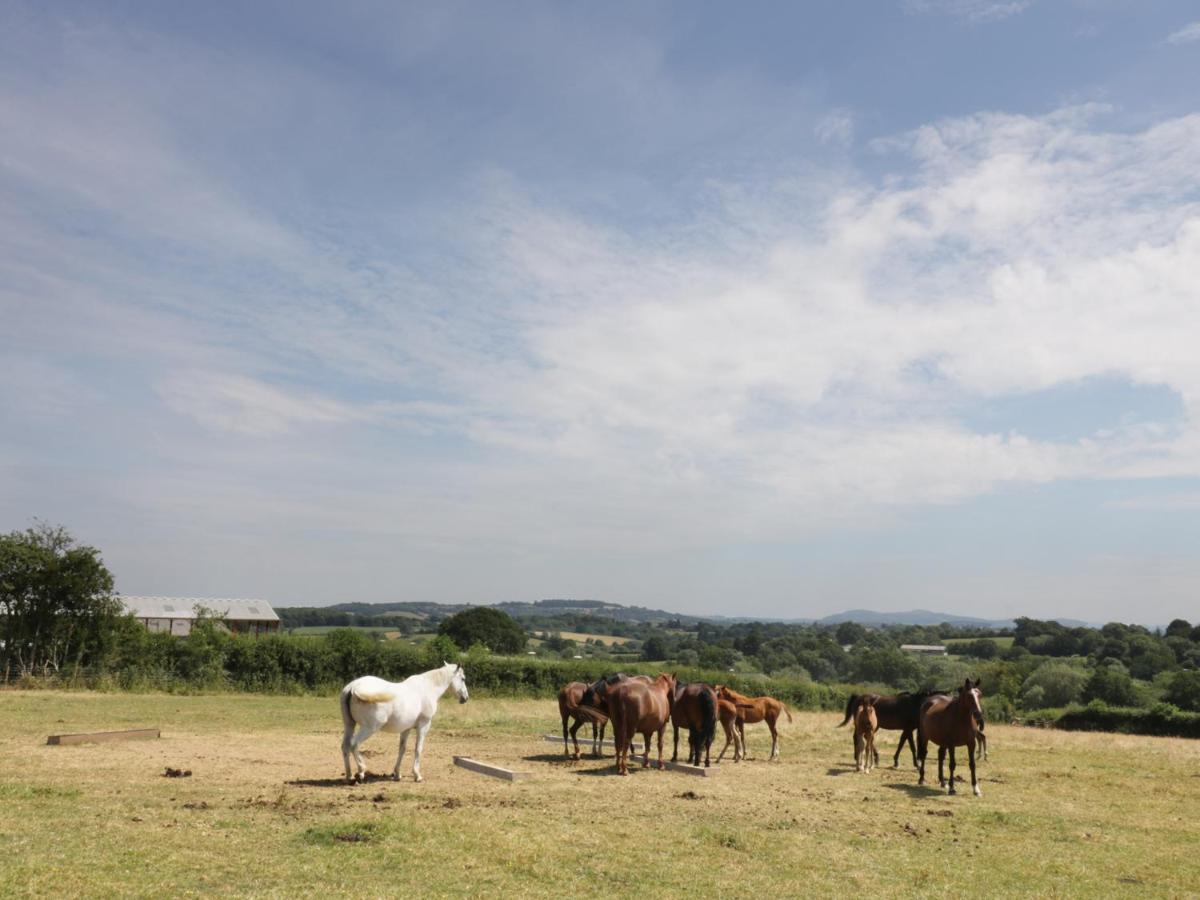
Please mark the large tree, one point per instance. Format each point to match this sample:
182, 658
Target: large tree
493, 628
57, 607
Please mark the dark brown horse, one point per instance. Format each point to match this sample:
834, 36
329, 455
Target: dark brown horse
694, 708
756, 709
900, 712
639, 708
951, 722
570, 707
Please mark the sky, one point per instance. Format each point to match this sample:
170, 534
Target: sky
754, 311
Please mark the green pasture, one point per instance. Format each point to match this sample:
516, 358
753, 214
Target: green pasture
264, 813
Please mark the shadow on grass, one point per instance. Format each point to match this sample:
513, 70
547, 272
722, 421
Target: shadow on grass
564, 760
338, 782
840, 770
917, 791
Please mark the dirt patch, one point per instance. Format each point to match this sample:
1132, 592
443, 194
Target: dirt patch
177, 773
689, 795
939, 812
203, 804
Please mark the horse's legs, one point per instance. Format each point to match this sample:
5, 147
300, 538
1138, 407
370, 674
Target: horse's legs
871, 757
952, 791
422, 730
598, 749
774, 740
858, 749
661, 732
400, 757
675, 752
365, 730
941, 764
741, 727
575, 735
922, 751
971, 760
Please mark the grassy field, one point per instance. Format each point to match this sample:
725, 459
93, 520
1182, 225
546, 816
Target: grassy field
1002, 642
264, 812
579, 637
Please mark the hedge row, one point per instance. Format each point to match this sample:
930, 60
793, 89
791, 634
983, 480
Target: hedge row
1162, 720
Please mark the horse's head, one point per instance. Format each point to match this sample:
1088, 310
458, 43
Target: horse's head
972, 696
458, 681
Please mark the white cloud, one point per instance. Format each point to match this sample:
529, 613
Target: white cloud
972, 10
1186, 34
837, 127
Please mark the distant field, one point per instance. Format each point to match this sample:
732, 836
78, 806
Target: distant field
606, 639
1002, 642
264, 814
388, 631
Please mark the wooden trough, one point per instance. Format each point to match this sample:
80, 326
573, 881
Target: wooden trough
702, 771
557, 739
101, 737
474, 765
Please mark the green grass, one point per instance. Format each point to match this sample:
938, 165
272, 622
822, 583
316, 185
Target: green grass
264, 814
1002, 642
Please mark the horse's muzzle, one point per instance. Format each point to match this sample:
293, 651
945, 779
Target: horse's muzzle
462, 699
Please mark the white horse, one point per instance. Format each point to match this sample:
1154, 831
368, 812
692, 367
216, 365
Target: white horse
374, 704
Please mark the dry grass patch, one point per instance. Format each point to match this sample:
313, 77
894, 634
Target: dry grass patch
265, 812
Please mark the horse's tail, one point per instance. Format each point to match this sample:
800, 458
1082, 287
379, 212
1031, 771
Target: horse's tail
787, 711
347, 716
850, 706
708, 709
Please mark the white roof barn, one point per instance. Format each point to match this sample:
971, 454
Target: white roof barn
176, 614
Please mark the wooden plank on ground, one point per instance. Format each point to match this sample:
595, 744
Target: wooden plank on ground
702, 771
557, 739
100, 737
483, 768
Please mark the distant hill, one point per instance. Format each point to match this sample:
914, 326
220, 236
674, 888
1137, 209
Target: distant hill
912, 617
600, 609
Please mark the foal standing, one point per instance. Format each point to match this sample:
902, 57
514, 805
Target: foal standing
865, 726
949, 723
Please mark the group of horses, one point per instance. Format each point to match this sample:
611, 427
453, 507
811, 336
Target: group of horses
949, 719
641, 705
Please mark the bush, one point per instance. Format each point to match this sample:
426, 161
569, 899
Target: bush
1183, 690
1060, 684
1112, 685
493, 628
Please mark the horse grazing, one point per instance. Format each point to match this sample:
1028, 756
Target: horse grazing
865, 726
636, 707
694, 707
596, 695
756, 709
949, 723
571, 707
900, 712
373, 704
727, 715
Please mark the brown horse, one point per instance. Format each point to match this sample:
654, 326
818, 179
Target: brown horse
694, 707
865, 726
727, 715
899, 712
756, 709
639, 708
570, 707
596, 695
949, 723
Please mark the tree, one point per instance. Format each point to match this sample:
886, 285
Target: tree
1184, 691
1111, 684
1179, 628
493, 628
850, 633
57, 606
1058, 684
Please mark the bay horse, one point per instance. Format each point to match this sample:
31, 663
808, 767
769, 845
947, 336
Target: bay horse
373, 704
865, 726
636, 707
949, 723
727, 715
596, 695
899, 712
756, 709
571, 707
694, 707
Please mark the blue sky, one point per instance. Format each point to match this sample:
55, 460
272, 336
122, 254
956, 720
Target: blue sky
823, 306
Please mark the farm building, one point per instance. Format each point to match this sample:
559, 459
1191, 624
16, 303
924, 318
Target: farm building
175, 615
924, 649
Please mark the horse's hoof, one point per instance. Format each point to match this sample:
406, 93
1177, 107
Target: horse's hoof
396, 776
978, 792
417, 778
